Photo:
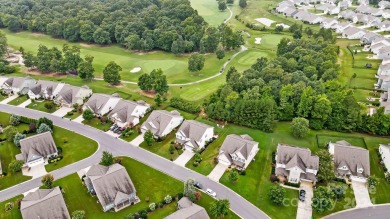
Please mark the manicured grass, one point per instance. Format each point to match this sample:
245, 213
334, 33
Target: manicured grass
8, 151
75, 147
74, 115
187, 116
96, 123
162, 148
209, 11
40, 105
18, 100
323, 140
174, 67
130, 137
149, 183
14, 213
2, 97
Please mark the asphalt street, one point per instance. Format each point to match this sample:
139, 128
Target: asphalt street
117, 147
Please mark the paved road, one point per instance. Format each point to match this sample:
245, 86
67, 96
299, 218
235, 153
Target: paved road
375, 212
119, 148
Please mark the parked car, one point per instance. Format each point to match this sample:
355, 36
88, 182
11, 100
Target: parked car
211, 193
302, 194
198, 185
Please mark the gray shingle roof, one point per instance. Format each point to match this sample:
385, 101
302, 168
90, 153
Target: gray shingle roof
190, 211
44, 204
160, 119
97, 101
193, 130
37, 146
124, 110
42, 85
111, 183
296, 156
237, 144
352, 30
352, 157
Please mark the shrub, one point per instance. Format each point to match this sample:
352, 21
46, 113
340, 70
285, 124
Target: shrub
168, 199
296, 185
147, 199
152, 206
9, 206
243, 173
15, 166
274, 178
69, 113
179, 195
14, 120
78, 214
195, 164
184, 105
171, 149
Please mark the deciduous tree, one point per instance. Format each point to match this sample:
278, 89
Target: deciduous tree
276, 194
148, 138
196, 62
107, 159
220, 208
111, 73
300, 127
47, 180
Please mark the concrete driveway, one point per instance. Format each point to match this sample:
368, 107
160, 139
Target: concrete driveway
9, 99
217, 172
138, 140
25, 103
79, 119
62, 111
184, 158
304, 208
35, 172
112, 134
361, 194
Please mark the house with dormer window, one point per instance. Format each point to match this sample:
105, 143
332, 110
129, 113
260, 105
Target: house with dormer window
194, 135
350, 161
162, 122
296, 164
101, 104
238, 151
45, 89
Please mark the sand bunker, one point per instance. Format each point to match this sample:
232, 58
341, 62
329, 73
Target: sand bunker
135, 70
267, 22
258, 40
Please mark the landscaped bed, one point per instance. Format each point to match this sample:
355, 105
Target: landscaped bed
18, 100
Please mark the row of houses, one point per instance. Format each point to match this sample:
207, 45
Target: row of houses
297, 164
61, 93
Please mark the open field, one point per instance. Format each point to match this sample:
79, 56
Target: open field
149, 183
174, 67
208, 9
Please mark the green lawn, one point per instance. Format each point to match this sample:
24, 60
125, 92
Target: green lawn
187, 116
40, 105
323, 140
208, 9
14, 213
2, 97
75, 147
162, 148
96, 123
175, 67
18, 100
148, 182
74, 115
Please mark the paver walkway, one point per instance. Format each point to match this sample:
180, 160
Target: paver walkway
9, 99
25, 103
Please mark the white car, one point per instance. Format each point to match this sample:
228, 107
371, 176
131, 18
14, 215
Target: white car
211, 193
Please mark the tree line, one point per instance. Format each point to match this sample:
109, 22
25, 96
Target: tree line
4, 64
300, 82
169, 25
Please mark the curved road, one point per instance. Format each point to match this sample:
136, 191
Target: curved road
374, 212
120, 148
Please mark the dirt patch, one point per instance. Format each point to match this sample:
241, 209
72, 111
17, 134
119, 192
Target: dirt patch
53, 74
147, 94
86, 45
38, 34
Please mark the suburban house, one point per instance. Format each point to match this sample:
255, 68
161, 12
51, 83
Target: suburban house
342, 26
112, 186
372, 21
332, 9
238, 150
186, 209
287, 11
36, 149
363, 2
384, 25
194, 135
127, 113
350, 161
45, 89
101, 104
384, 4
376, 12
383, 82
363, 9
162, 122
2, 80
384, 151
344, 4
353, 33
347, 14
378, 44
384, 52
44, 203
15, 85
296, 164
384, 69
328, 23
385, 100
286, 4
369, 37
70, 95
386, 14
